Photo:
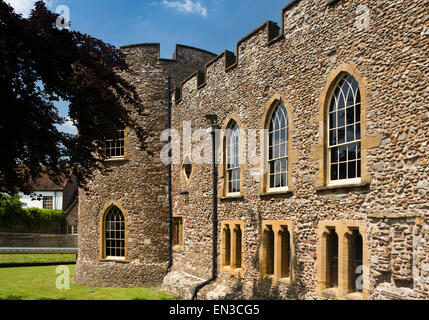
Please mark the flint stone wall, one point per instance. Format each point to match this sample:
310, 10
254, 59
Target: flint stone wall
390, 53
139, 182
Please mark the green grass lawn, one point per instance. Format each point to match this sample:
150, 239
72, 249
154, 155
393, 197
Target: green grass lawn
32, 258
39, 283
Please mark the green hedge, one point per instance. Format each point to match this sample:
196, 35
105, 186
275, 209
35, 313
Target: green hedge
15, 218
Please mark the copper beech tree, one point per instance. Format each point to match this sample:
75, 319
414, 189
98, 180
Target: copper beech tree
41, 64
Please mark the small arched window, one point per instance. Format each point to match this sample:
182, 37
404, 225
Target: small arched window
114, 238
344, 150
278, 148
187, 168
233, 158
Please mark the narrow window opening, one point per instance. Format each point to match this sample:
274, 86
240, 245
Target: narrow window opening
177, 231
187, 168
237, 236
269, 251
284, 252
233, 158
332, 259
227, 246
278, 146
355, 261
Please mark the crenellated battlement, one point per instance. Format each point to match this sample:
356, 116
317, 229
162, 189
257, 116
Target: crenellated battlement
269, 33
185, 59
153, 51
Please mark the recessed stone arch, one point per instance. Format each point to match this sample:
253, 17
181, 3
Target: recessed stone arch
231, 119
270, 107
320, 151
102, 215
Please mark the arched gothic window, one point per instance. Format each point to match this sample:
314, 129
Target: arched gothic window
233, 158
114, 227
344, 149
278, 155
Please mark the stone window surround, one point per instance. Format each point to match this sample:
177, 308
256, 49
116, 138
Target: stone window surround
270, 106
230, 269
186, 180
101, 228
181, 244
127, 131
222, 166
276, 227
344, 230
319, 152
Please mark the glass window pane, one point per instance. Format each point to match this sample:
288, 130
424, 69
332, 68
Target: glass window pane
271, 138
358, 132
357, 113
283, 136
282, 150
350, 133
333, 105
341, 118
352, 170
332, 120
276, 138
277, 164
350, 115
343, 170
276, 151
332, 137
358, 169
283, 165
334, 172
272, 169
282, 120
341, 102
284, 179
334, 155
341, 135
343, 153
352, 152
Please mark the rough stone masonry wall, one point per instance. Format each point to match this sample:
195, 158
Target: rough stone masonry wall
137, 184
390, 54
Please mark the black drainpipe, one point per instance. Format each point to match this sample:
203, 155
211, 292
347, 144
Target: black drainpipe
212, 130
170, 187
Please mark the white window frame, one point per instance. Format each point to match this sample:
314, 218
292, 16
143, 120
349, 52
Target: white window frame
347, 181
269, 145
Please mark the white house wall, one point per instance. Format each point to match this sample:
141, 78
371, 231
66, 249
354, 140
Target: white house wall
30, 203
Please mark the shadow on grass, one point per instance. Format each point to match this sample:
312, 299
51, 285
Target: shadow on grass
21, 298
12, 298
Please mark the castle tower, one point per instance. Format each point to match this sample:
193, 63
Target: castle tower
124, 219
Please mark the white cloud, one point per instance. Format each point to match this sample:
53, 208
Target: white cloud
68, 127
187, 6
24, 7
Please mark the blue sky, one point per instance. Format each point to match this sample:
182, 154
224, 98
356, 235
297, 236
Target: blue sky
213, 25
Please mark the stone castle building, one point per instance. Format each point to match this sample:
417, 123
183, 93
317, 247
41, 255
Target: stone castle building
322, 173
